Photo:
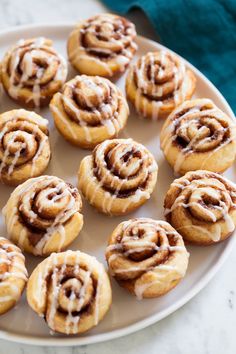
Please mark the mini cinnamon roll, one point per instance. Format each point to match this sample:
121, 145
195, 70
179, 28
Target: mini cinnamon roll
13, 275
71, 290
24, 146
102, 45
198, 135
201, 206
147, 257
43, 215
90, 110
32, 71
158, 83
118, 177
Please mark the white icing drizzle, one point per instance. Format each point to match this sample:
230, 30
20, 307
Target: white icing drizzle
38, 153
63, 119
139, 289
37, 45
143, 244
137, 244
58, 272
21, 114
170, 135
179, 91
60, 219
82, 123
103, 112
146, 245
139, 193
57, 225
6, 154
16, 270
125, 44
215, 233
56, 288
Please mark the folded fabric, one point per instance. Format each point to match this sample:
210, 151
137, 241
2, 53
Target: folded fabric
202, 31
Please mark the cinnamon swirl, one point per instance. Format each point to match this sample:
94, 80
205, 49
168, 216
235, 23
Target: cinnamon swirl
118, 177
71, 290
159, 82
198, 135
24, 146
32, 71
147, 257
201, 206
43, 215
13, 275
90, 110
102, 45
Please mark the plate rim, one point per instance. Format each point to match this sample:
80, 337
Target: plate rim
117, 333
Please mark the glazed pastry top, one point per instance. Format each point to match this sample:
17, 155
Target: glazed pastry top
23, 139
197, 126
144, 252
108, 37
33, 65
207, 199
71, 290
91, 102
161, 78
43, 206
122, 169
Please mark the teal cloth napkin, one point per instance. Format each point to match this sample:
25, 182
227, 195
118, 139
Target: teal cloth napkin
202, 31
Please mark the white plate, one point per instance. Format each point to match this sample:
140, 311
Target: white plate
127, 314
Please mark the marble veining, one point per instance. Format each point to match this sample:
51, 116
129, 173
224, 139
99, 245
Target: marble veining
206, 325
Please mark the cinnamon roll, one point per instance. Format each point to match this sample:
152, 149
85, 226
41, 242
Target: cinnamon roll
201, 206
118, 177
159, 82
198, 135
13, 275
32, 71
71, 290
24, 146
102, 45
147, 257
43, 215
90, 110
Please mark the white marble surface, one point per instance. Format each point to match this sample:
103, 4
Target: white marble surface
207, 323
